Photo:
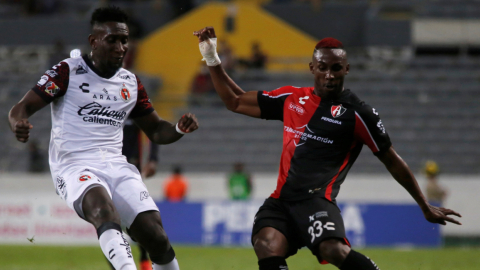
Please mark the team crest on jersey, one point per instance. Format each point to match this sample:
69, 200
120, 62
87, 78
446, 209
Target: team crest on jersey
51, 88
84, 178
337, 110
124, 93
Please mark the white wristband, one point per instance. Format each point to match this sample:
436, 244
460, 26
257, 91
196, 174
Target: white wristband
179, 130
208, 49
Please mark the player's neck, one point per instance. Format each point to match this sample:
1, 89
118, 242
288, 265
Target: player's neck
328, 94
102, 69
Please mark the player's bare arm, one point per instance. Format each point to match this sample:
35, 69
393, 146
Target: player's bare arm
402, 173
19, 114
160, 131
235, 99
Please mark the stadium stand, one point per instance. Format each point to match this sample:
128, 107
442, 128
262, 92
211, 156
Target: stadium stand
429, 109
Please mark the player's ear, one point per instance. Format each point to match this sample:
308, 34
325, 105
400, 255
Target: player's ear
92, 41
311, 67
347, 69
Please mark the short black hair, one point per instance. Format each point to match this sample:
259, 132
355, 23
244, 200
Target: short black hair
108, 14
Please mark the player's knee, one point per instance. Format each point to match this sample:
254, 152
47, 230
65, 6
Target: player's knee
157, 238
160, 239
101, 214
333, 251
265, 247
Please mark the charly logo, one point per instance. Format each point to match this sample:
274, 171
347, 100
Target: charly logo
337, 110
301, 100
124, 93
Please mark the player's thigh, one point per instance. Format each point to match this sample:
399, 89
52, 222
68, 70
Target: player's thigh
131, 197
318, 220
74, 183
272, 233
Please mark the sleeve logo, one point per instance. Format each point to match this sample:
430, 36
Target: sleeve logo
380, 126
51, 73
51, 88
42, 80
337, 110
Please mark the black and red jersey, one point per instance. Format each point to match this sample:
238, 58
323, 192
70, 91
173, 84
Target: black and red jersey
322, 138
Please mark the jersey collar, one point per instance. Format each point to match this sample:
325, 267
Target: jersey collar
94, 69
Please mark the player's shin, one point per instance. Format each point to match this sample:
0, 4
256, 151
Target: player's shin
358, 261
115, 246
165, 261
273, 263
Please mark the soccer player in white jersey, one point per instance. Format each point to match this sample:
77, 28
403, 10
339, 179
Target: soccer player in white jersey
91, 97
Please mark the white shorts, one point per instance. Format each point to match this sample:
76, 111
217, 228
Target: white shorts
121, 180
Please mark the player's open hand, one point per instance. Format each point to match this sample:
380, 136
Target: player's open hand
441, 215
22, 130
205, 33
188, 123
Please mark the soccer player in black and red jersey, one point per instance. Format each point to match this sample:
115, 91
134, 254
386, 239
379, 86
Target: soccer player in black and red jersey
325, 127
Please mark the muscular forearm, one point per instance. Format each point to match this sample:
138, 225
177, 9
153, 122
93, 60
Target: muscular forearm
164, 133
402, 174
18, 112
226, 88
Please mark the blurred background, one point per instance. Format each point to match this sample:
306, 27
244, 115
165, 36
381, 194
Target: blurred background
416, 62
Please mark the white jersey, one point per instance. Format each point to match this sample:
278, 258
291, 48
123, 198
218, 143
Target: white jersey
89, 111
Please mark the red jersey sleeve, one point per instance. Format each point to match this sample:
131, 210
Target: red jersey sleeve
271, 103
54, 83
143, 105
369, 129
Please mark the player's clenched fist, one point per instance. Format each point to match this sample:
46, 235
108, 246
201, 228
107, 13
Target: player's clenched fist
188, 123
22, 130
208, 45
205, 33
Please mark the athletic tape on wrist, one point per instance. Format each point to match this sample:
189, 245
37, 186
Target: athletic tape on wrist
179, 130
208, 49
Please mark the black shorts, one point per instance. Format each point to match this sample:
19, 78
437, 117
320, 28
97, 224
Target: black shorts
304, 223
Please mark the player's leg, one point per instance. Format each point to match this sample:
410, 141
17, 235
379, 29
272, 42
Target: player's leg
145, 263
147, 230
141, 216
338, 253
322, 230
89, 196
99, 210
271, 248
271, 236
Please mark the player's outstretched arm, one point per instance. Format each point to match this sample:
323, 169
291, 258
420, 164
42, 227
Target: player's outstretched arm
19, 114
235, 99
402, 173
160, 131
